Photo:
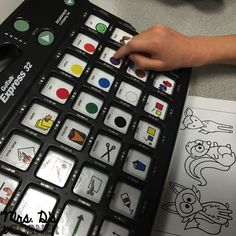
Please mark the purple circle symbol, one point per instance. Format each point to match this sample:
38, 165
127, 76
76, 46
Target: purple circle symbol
115, 61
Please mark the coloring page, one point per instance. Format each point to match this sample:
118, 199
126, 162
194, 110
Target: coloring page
199, 197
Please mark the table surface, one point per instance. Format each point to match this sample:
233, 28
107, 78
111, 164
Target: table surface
191, 17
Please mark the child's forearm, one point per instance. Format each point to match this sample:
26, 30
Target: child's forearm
213, 50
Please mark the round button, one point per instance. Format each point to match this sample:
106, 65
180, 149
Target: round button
46, 38
21, 25
69, 2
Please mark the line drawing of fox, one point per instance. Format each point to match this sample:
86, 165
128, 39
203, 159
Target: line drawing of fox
208, 217
193, 122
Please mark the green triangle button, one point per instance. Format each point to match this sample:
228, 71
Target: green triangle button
46, 38
69, 2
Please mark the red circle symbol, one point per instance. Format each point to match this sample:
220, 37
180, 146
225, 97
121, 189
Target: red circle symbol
62, 93
89, 47
140, 73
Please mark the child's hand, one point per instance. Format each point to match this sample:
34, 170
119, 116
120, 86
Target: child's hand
159, 48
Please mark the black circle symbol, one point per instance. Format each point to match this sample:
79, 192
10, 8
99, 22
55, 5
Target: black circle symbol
120, 121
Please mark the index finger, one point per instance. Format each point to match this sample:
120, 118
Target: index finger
137, 44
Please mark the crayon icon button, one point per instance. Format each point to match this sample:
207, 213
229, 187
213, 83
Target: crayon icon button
77, 136
73, 134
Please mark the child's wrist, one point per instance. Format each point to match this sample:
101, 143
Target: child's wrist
201, 51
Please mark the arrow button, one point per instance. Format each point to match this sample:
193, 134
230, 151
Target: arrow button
46, 38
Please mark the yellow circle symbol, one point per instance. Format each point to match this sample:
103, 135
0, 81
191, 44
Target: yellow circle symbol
77, 69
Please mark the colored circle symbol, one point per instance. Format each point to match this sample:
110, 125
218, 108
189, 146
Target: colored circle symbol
140, 73
101, 28
115, 61
89, 47
132, 96
77, 69
91, 108
120, 121
62, 93
104, 83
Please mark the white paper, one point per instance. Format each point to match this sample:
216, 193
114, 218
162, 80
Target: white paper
199, 197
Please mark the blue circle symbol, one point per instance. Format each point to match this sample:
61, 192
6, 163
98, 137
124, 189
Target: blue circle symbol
104, 83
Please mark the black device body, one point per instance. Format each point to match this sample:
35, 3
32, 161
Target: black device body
27, 65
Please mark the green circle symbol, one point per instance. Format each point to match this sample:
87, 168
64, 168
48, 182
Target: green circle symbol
91, 108
101, 28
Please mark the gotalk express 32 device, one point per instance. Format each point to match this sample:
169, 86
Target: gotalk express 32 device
85, 139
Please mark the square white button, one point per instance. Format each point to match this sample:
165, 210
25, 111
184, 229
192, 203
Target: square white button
147, 134
91, 184
57, 90
125, 200
108, 56
164, 84
137, 164
112, 229
156, 107
105, 149
72, 65
8, 186
19, 151
40, 118
88, 105
118, 119
85, 43
121, 36
33, 202
97, 24
129, 93
73, 134
101, 79
137, 72
56, 168
74, 221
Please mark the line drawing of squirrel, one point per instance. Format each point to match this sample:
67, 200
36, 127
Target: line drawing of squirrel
205, 154
192, 122
208, 217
